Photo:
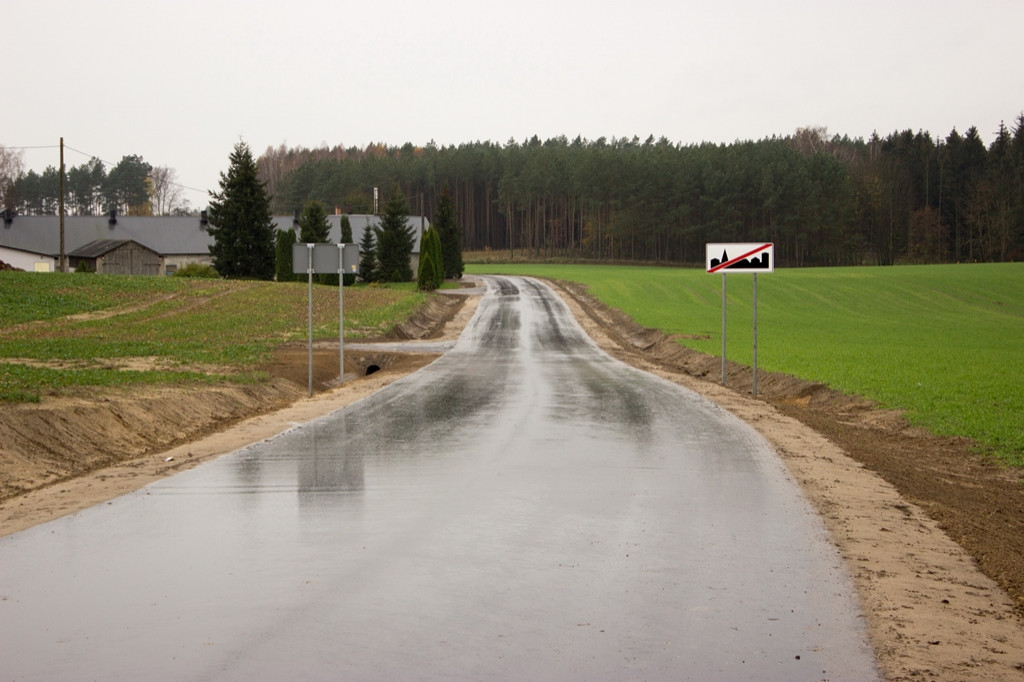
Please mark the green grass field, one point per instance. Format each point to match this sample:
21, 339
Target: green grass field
56, 332
945, 343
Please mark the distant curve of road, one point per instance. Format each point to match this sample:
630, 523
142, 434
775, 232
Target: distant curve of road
525, 507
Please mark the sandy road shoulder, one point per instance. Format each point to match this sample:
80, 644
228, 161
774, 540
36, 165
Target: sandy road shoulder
931, 613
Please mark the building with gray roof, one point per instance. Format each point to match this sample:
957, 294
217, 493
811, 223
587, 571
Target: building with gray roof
33, 242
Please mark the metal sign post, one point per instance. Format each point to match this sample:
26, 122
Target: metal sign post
747, 258
348, 263
348, 257
723, 329
309, 270
326, 259
754, 388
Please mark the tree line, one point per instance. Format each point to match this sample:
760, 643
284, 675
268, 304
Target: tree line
246, 243
131, 187
823, 200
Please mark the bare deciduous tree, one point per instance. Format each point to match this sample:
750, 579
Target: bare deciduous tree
11, 167
166, 190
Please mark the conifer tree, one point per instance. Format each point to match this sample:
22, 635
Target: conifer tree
240, 222
395, 240
436, 252
368, 255
450, 237
346, 238
283, 260
425, 279
313, 225
314, 229
431, 270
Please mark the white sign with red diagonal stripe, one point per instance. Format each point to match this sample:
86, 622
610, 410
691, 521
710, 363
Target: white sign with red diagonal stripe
741, 257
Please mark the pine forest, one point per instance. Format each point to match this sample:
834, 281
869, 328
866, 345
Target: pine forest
823, 200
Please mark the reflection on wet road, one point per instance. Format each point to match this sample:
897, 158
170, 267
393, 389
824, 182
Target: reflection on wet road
524, 508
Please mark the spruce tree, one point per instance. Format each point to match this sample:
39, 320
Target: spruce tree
313, 225
314, 229
435, 248
368, 255
240, 222
346, 238
395, 240
450, 235
283, 260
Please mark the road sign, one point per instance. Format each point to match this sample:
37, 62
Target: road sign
325, 258
741, 257
752, 257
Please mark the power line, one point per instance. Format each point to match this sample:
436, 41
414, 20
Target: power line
110, 163
91, 156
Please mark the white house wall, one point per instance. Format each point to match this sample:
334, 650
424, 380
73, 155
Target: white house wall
26, 261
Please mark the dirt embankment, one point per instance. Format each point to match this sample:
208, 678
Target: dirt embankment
64, 437
892, 496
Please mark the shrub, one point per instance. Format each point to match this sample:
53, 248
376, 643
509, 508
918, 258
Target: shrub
197, 270
431, 273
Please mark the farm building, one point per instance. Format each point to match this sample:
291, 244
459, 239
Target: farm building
33, 242
115, 257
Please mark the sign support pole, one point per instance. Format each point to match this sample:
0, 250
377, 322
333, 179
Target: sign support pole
723, 329
341, 313
309, 272
755, 335
319, 260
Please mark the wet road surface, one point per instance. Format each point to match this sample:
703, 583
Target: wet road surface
523, 508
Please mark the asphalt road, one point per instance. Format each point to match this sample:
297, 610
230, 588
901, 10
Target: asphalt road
524, 508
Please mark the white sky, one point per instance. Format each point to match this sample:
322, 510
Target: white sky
180, 82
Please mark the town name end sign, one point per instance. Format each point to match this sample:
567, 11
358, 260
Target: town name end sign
748, 257
751, 257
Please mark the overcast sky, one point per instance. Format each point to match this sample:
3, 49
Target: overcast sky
180, 82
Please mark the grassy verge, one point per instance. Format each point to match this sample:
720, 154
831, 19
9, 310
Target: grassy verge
62, 331
941, 342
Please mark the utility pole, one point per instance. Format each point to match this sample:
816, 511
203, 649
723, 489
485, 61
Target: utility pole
63, 260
